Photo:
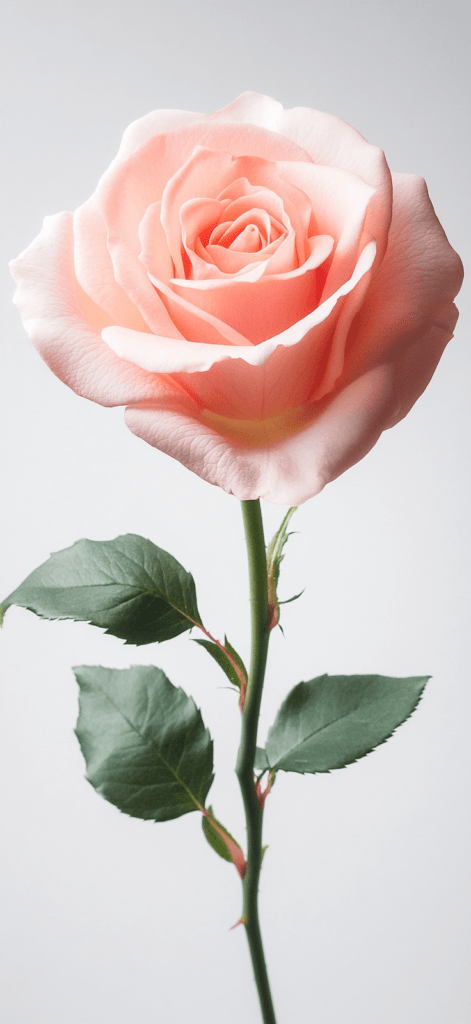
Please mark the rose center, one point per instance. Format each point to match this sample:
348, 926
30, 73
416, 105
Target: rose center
249, 240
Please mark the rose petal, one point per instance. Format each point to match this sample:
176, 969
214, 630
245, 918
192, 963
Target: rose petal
94, 268
278, 301
207, 174
340, 203
64, 323
232, 262
157, 122
287, 471
414, 286
164, 355
154, 253
129, 187
196, 323
328, 141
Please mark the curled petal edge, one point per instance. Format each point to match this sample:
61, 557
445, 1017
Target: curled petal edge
289, 471
158, 354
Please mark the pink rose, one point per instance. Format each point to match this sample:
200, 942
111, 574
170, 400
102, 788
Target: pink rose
255, 286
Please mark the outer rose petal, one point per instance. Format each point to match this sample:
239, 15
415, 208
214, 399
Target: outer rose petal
287, 472
94, 268
414, 287
64, 324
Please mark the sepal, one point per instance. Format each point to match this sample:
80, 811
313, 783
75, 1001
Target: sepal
274, 558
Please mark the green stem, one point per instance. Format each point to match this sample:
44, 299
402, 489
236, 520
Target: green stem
245, 762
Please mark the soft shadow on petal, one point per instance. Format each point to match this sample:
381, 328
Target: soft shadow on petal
414, 287
64, 324
160, 355
265, 307
287, 471
340, 203
209, 174
154, 253
327, 140
94, 268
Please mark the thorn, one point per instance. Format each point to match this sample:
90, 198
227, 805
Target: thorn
242, 920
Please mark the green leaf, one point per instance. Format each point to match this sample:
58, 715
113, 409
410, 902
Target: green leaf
144, 742
218, 837
333, 720
128, 586
261, 759
221, 657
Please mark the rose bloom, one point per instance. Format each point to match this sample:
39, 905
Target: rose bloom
255, 286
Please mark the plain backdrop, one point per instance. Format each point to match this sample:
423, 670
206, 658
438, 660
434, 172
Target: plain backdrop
365, 887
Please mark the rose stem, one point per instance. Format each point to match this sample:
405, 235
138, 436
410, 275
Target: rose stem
245, 762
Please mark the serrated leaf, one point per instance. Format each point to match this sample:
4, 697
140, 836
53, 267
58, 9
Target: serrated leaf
221, 658
127, 586
261, 759
331, 721
144, 742
222, 842
224, 661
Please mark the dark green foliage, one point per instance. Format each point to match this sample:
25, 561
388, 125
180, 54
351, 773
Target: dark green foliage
224, 662
331, 721
144, 742
128, 586
261, 759
214, 837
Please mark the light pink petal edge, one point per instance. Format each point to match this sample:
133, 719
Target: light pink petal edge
288, 472
167, 355
64, 324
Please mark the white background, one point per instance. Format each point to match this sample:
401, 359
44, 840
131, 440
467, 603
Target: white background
365, 887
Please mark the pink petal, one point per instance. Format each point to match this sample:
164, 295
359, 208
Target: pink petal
207, 174
157, 122
328, 141
154, 252
131, 185
161, 355
260, 309
232, 261
413, 288
198, 324
246, 461
64, 324
94, 268
340, 203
